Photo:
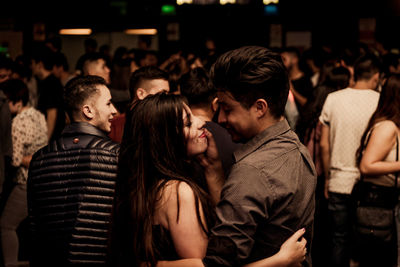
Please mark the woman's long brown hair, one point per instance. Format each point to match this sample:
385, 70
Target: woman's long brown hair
153, 152
388, 109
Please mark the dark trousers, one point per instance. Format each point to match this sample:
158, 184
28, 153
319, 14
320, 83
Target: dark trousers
339, 209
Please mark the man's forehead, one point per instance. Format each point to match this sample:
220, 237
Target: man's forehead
157, 83
103, 91
156, 86
225, 97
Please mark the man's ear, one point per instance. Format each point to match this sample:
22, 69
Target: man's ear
376, 76
260, 107
214, 105
375, 79
88, 112
141, 93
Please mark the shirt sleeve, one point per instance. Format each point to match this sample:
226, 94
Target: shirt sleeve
18, 140
242, 207
325, 116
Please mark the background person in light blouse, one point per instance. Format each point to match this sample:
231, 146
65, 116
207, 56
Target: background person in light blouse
29, 133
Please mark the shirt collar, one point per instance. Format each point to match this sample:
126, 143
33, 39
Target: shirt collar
261, 138
83, 127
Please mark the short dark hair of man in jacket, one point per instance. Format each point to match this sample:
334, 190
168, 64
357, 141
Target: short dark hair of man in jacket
71, 182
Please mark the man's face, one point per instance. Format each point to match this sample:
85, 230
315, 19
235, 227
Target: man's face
287, 59
5, 74
36, 68
99, 68
104, 110
240, 122
149, 60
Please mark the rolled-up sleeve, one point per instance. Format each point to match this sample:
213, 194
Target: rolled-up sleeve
242, 206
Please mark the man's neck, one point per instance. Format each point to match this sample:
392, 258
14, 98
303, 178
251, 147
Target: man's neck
362, 85
204, 114
268, 122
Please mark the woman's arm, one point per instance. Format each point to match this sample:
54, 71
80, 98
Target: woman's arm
300, 99
26, 160
291, 254
381, 141
190, 241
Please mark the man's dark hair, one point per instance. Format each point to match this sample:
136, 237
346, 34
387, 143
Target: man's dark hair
197, 87
90, 43
6, 63
61, 60
390, 60
78, 90
366, 66
88, 58
144, 74
15, 90
250, 73
44, 54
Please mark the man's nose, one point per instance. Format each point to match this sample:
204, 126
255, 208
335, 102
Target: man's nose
221, 117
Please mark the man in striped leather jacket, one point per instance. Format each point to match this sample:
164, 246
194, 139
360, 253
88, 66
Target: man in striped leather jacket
71, 182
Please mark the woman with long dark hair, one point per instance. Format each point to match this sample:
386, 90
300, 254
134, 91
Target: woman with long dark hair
161, 212
377, 159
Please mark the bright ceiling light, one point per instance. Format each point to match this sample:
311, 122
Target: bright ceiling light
80, 31
181, 2
141, 31
267, 2
224, 2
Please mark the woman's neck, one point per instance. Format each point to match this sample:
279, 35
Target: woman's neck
22, 109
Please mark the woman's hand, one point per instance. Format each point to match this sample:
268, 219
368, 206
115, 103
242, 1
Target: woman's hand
294, 251
210, 159
213, 170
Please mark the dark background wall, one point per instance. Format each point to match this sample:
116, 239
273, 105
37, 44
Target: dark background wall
330, 21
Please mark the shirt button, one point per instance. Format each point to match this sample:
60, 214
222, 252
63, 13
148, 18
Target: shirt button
76, 140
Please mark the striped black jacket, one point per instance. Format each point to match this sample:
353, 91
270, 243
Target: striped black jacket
70, 194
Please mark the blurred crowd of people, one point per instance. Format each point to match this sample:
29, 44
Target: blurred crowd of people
336, 97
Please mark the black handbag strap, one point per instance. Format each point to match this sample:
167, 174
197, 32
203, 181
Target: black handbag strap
397, 159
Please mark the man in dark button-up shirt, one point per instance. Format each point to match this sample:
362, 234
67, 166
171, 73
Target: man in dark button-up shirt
269, 193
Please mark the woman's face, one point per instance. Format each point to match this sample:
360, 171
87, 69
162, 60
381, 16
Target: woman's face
196, 140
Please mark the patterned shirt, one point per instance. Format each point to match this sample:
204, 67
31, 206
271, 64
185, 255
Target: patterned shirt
347, 113
29, 134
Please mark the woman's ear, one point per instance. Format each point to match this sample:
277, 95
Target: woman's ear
214, 105
88, 112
